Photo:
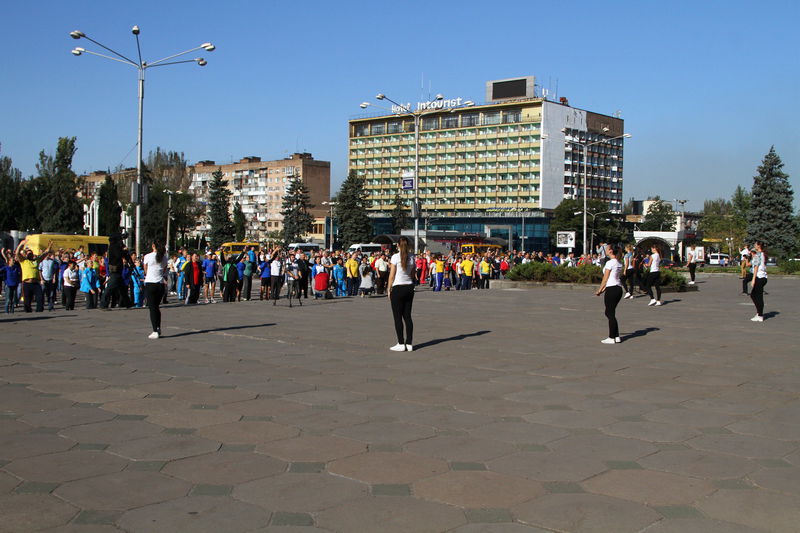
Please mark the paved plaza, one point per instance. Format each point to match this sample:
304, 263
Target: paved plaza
510, 417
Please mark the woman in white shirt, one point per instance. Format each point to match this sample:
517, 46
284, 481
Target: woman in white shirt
759, 280
654, 277
155, 279
691, 262
401, 294
612, 287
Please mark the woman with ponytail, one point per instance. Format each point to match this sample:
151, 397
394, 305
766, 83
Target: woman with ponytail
612, 287
155, 280
401, 294
759, 280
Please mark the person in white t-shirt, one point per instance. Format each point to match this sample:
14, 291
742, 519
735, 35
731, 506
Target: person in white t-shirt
691, 262
654, 277
612, 287
759, 280
155, 279
401, 294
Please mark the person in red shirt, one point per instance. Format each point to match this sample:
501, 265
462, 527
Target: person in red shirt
193, 271
321, 284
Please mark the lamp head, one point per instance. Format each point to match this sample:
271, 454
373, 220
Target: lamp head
202, 62
605, 129
77, 34
469, 103
77, 51
364, 105
208, 47
380, 96
440, 96
135, 30
563, 130
627, 135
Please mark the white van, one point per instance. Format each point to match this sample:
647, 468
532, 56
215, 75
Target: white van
716, 259
365, 248
307, 247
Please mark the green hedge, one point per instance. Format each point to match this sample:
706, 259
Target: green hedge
593, 274
789, 267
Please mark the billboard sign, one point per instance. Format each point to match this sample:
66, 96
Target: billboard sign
565, 239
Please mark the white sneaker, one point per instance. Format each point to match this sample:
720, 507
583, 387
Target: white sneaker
617, 340
207, 300
627, 295
153, 335
398, 348
691, 283
658, 302
409, 347
757, 318
213, 301
653, 302
608, 340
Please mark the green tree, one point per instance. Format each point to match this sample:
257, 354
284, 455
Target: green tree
297, 221
62, 211
185, 213
108, 209
602, 225
239, 222
726, 219
771, 216
170, 168
10, 184
399, 214
352, 202
659, 217
219, 199
29, 215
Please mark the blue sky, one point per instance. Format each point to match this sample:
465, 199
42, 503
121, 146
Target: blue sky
704, 87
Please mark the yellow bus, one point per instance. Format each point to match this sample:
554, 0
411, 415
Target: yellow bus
91, 244
474, 248
235, 248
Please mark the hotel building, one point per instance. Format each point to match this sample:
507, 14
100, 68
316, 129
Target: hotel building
259, 187
514, 156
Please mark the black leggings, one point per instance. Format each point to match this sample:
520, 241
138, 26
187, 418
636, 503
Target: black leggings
692, 268
154, 293
402, 298
612, 296
747, 279
69, 297
630, 279
757, 295
654, 280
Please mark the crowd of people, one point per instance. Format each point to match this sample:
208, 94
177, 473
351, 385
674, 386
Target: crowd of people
119, 278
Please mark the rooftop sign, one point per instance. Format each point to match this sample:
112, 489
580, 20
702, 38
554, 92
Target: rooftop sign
431, 104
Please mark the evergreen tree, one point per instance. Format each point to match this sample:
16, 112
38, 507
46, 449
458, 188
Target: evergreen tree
659, 217
771, 217
399, 214
61, 210
352, 202
10, 185
108, 210
219, 198
239, 222
297, 221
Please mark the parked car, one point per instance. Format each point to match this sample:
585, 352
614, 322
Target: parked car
717, 259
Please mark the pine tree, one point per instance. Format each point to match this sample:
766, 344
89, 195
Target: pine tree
297, 221
10, 178
352, 202
399, 214
108, 210
219, 198
771, 217
239, 222
61, 210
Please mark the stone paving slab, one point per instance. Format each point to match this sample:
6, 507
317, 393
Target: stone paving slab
509, 416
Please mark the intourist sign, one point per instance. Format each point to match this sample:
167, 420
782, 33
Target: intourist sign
431, 104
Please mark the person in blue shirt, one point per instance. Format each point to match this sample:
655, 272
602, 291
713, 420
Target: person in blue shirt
264, 273
339, 278
49, 269
179, 264
90, 284
210, 269
137, 280
13, 275
240, 266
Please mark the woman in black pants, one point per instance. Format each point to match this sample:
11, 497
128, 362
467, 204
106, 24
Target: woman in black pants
612, 287
401, 294
155, 280
759, 280
654, 277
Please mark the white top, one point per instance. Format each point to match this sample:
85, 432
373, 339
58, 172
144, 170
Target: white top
692, 256
71, 277
275, 267
615, 269
156, 272
655, 262
403, 277
761, 269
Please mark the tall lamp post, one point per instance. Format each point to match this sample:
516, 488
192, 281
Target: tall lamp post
594, 224
586, 146
330, 249
407, 111
141, 66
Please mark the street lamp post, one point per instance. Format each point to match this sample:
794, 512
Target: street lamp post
406, 110
141, 66
586, 146
330, 248
594, 224
169, 214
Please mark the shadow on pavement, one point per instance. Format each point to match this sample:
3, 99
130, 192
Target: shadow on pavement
640, 333
215, 330
25, 317
454, 338
771, 314
667, 302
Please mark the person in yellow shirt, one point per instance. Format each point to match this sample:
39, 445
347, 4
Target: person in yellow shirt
351, 269
438, 271
467, 265
485, 272
31, 286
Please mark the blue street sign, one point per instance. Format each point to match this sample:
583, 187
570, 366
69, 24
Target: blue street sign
408, 184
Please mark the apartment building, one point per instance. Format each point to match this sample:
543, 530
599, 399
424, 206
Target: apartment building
259, 187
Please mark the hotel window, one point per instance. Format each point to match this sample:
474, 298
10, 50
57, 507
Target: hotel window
378, 128
469, 119
395, 127
511, 116
491, 118
450, 121
361, 130
430, 123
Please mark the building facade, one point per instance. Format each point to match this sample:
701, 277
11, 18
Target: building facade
517, 152
259, 187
